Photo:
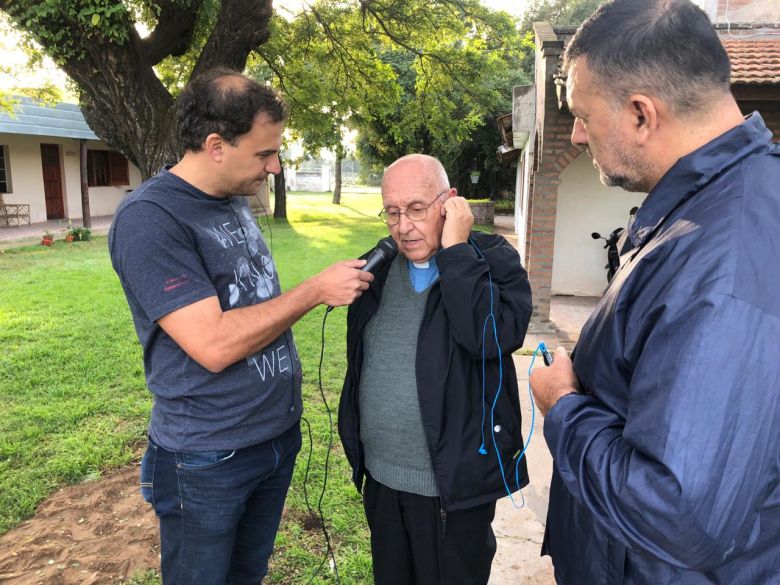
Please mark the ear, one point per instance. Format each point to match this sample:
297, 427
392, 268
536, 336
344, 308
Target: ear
453, 192
214, 146
644, 116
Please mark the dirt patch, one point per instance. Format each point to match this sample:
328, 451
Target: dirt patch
101, 533
96, 533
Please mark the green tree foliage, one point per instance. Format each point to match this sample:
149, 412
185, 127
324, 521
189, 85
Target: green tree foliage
457, 68
328, 70
46, 93
451, 114
413, 76
21, 79
558, 12
98, 44
417, 75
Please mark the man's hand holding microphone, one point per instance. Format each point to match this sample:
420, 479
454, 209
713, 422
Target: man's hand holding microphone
342, 283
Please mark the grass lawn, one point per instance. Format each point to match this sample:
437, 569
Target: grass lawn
72, 396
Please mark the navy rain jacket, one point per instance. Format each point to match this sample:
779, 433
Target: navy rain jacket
667, 469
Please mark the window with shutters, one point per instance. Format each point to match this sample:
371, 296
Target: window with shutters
106, 168
118, 169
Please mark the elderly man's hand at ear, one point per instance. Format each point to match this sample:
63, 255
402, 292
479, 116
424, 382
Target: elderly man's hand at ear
458, 220
552, 383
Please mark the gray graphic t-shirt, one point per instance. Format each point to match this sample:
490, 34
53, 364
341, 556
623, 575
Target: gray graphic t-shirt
173, 245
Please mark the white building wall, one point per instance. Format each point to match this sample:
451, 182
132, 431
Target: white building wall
315, 181
24, 158
585, 206
522, 197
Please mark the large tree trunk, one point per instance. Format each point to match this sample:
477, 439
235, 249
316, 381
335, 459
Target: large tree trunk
280, 195
139, 122
337, 185
122, 99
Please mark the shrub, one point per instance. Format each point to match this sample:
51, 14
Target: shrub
80, 234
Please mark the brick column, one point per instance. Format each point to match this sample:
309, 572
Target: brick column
541, 241
556, 154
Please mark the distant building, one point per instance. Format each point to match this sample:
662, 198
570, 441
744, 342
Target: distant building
40, 163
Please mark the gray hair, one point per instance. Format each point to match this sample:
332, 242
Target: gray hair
666, 48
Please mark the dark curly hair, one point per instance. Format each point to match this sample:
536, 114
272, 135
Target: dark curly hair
225, 102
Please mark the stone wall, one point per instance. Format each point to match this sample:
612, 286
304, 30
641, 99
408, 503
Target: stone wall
484, 212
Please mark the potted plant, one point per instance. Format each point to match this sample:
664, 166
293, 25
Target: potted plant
80, 234
47, 239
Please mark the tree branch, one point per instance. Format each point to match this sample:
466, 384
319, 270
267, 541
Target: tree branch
173, 33
341, 52
366, 7
280, 76
241, 27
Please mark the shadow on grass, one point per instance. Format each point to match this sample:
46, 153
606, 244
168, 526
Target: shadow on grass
371, 216
336, 220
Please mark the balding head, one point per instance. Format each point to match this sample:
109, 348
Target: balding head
425, 170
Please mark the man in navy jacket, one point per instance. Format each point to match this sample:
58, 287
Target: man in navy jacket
664, 430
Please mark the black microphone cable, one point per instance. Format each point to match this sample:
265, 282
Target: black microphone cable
385, 251
329, 552
267, 222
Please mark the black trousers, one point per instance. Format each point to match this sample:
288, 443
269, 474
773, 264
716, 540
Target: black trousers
415, 542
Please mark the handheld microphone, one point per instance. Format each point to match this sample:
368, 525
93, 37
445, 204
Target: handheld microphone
385, 251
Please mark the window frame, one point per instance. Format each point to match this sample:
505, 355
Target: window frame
107, 168
6, 185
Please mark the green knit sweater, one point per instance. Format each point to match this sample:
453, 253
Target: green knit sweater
396, 451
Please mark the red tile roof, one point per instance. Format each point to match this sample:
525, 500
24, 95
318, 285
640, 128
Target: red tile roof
754, 61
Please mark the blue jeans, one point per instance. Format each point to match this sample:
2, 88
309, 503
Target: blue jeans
219, 510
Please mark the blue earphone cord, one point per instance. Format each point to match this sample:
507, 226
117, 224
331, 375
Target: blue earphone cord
482, 449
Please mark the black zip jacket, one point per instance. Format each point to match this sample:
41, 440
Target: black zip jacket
449, 370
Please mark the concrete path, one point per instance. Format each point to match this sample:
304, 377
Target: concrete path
31, 234
519, 532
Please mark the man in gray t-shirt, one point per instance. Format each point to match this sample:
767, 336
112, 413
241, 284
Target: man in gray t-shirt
214, 325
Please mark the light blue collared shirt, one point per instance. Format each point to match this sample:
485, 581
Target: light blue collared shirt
423, 274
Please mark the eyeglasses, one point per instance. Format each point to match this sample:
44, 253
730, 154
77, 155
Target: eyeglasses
415, 212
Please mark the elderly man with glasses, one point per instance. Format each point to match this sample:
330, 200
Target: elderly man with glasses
429, 414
